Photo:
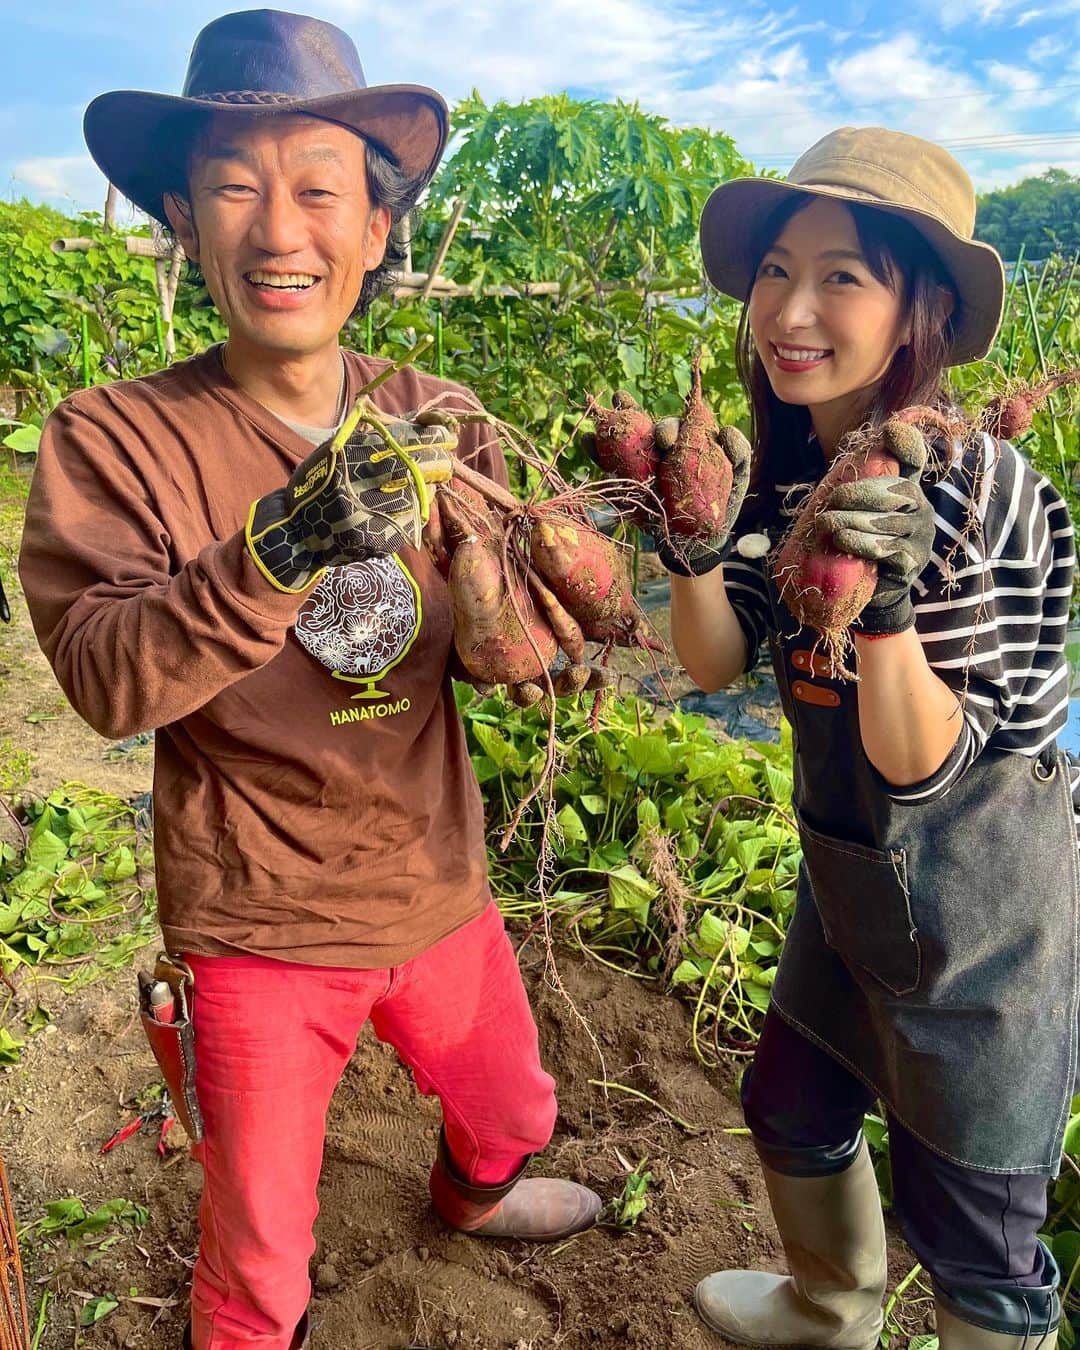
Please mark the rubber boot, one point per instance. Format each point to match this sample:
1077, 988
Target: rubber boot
834, 1239
301, 1337
956, 1334
1010, 1317
535, 1209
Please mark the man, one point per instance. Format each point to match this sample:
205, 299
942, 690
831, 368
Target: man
192, 564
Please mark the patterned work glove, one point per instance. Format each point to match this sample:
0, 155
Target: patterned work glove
692, 556
355, 497
889, 521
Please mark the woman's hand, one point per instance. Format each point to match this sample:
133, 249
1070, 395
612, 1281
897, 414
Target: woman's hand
688, 556
888, 521
909, 719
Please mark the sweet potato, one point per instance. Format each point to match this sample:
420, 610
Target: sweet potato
824, 588
623, 443
491, 642
566, 628
694, 479
586, 572
1009, 415
435, 538
572, 679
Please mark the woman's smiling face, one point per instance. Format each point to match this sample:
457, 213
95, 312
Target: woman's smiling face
826, 329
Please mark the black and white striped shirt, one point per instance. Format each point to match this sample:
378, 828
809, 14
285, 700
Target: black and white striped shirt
991, 607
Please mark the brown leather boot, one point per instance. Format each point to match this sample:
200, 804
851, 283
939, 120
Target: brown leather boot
301, 1337
535, 1209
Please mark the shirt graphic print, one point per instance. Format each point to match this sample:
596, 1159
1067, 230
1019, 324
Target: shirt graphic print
361, 620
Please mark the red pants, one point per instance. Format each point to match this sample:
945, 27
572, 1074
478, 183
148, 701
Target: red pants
272, 1041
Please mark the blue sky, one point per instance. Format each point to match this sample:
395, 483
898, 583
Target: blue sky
997, 81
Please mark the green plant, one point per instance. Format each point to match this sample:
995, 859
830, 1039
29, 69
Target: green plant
73, 896
675, 857
1040, 332
90, 1233
15, 767
74, 318
877, 1139
906, 1309
1062, 1229
1040, 214
625, 1209
602, 199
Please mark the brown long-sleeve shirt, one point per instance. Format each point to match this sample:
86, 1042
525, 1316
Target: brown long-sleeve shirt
313, 795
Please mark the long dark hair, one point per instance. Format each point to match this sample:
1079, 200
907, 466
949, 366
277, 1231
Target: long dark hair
900, 258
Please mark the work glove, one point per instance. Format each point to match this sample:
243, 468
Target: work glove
888, 521
692, 555
355, 497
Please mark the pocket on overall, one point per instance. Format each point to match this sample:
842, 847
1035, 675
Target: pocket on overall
861, 896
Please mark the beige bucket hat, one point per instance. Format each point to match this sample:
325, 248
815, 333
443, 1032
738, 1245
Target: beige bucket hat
901, 174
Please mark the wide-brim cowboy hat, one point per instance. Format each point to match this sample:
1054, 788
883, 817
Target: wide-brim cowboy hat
888, 170
258, 62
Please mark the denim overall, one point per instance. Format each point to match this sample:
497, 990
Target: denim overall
934, 946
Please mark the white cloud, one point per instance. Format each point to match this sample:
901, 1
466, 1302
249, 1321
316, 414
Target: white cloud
1047, 48
1027, 85
514, 49
737, 68
768, 101
985, 13
990, 174
903, 79
952, 13
61, 178
736, 65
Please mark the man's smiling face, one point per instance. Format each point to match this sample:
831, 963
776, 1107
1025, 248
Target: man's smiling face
281, 224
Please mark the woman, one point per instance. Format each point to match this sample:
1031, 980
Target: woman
931, 959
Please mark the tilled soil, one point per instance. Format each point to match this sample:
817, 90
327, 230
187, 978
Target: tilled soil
388, 1273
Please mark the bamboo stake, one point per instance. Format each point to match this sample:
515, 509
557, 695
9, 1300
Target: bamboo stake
176, 267
138, 247
524, 290
84, 344
112, 197
14, 1323
168, 263
412, 284
444, 246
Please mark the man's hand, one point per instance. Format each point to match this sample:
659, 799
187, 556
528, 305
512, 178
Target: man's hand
689, 556
350, 500
888, 521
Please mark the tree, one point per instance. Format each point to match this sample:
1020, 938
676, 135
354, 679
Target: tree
1042, 214
558, 182
604, 199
